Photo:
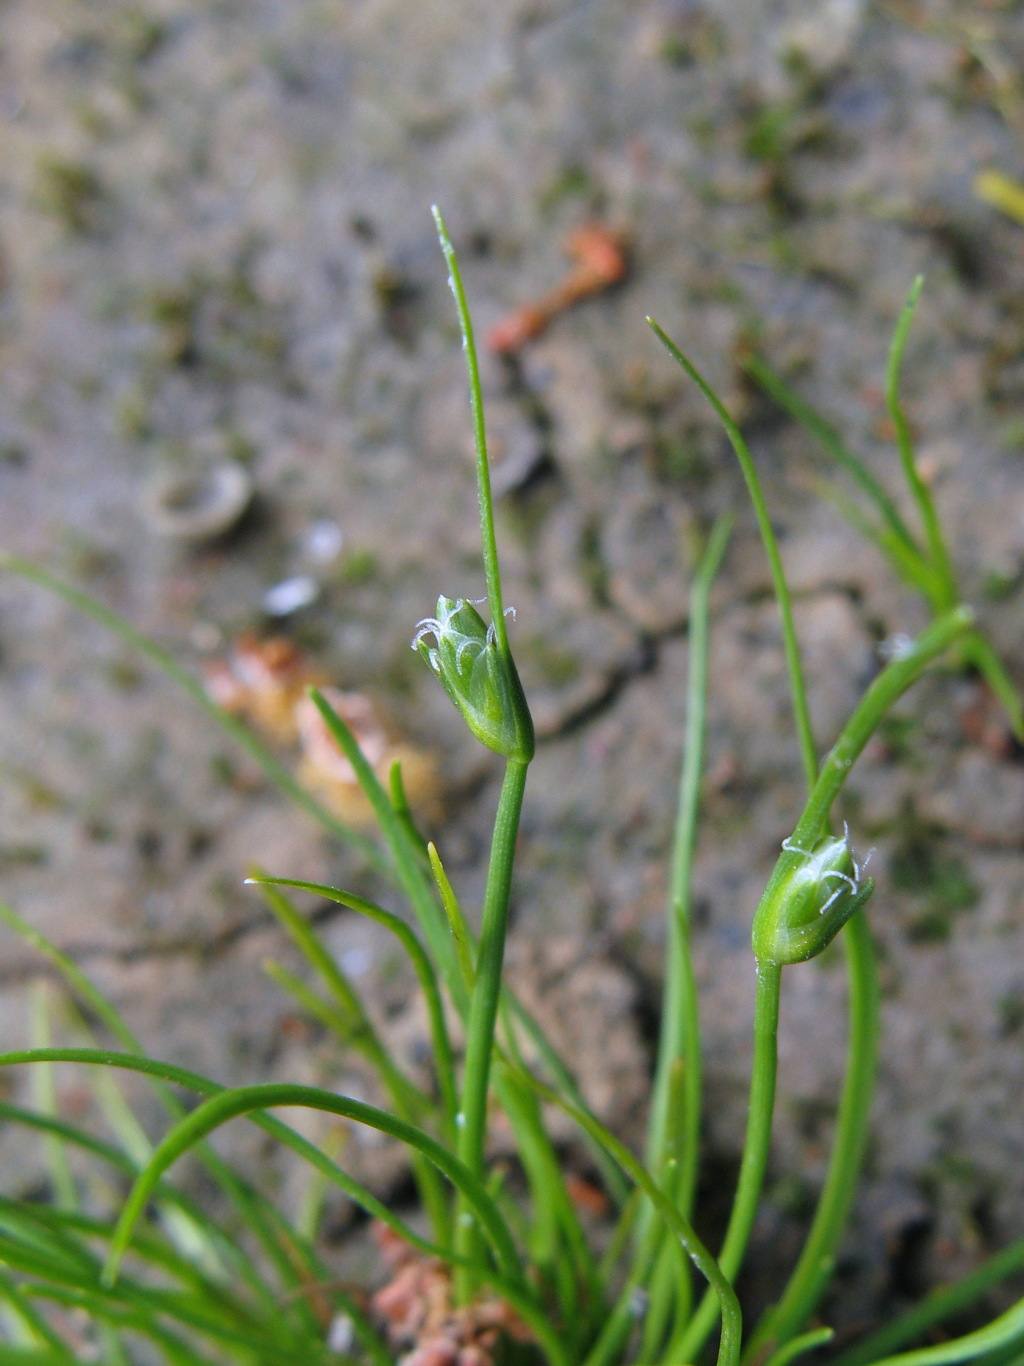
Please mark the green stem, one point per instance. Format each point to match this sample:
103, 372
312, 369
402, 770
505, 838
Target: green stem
676, 1101
682, 1229
755, 1156
680, 1024
559, 1251
817, 1260
815, 1264
801, 712
483, 1006
886, 689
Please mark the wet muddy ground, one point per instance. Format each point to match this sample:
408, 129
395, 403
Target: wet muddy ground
216, 246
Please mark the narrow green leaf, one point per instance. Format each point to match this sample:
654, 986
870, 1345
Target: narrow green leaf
464, 947
945, 595
249, 1099
258, 1212
180, 1076
941, 1304
488, 539
444, 1061
813, 1271
33, 1324
410, 870
1005, 1331
797, 687
706, 1264
64, 1187
833, 443
806, 1342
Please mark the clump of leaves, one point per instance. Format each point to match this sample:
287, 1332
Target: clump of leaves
490, 1275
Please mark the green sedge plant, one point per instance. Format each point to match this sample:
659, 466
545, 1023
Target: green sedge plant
126, 1268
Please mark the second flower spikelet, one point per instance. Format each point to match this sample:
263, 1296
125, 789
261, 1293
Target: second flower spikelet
478, 676
809, 898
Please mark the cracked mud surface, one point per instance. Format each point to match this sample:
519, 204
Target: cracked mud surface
216, 242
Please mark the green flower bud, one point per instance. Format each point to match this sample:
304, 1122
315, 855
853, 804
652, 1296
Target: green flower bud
480, 679
809, 898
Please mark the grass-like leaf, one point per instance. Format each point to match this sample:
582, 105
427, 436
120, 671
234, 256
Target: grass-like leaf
245, 1100
440, 1044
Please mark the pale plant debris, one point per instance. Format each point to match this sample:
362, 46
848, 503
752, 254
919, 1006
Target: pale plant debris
423, 1322
267, 683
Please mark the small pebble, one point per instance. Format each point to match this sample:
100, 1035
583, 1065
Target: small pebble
205, 637
323, 540
357, 962
290, 595
341, 1334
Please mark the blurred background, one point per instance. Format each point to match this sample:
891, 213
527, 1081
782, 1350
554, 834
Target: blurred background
233, 407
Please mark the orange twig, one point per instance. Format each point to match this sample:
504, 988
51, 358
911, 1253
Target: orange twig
600, 262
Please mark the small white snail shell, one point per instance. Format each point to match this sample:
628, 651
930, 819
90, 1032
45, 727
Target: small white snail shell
196, 505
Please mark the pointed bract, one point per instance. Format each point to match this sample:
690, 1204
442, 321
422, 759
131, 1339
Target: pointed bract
480, 679
809, 898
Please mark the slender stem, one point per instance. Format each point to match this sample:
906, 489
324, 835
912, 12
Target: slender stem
559, 1250
563, 1078
798, 690
483, 1007
706, 1264
680, 1025
890, 685
483, 473
817, 1260
815, 1264
676, 1100
755, 1156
